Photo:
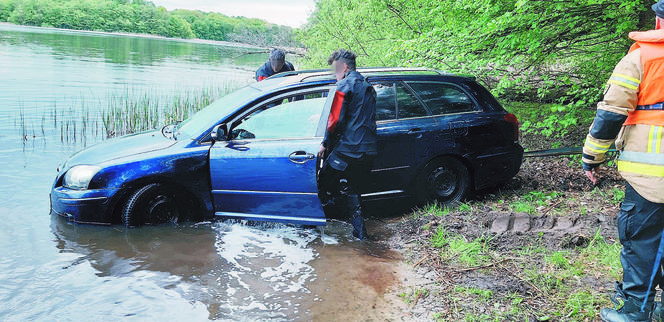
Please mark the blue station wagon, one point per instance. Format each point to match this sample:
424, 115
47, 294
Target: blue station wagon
252, 154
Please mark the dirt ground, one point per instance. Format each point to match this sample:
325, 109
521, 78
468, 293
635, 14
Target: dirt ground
541, 248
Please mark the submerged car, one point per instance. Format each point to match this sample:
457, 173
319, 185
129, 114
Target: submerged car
252, 154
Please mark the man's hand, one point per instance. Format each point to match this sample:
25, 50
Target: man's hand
321, 151
593, 174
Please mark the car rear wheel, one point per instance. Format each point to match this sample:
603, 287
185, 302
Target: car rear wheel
152, 204
445, 180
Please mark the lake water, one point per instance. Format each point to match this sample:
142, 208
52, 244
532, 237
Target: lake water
52, 270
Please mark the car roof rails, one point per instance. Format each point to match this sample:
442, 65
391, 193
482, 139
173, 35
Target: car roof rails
372, 71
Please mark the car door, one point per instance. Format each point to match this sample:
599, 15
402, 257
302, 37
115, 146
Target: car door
266, 170
404, 127
468, 130
451, 108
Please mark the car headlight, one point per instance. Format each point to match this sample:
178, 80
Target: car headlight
78, 177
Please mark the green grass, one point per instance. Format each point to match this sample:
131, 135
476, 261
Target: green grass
581, 305
557, 276
456, 248
523, 206
412, 296
617, 195
481, 295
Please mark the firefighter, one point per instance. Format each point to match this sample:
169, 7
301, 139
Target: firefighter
349, 146
275, 65
632, 115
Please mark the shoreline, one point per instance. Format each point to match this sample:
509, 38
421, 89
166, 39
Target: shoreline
221, 43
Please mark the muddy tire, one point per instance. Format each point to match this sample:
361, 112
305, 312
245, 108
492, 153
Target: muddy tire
152, 204
445, 180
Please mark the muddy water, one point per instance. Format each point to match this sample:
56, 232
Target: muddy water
51, 269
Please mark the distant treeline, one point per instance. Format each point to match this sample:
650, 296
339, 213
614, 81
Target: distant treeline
143, 17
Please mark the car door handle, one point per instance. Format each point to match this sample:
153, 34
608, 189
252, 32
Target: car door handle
417, 132
301, 157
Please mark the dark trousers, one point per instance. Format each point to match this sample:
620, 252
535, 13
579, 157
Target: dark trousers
640, 227
342, 179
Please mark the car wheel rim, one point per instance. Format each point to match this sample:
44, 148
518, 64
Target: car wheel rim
443, 182
161, 209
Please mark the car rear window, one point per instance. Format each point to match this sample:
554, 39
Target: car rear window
443, 98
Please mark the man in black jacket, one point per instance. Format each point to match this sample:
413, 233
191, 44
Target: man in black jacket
275, 65
350, 142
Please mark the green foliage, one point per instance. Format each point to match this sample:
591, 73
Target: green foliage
550, 120
143, 17
559, 51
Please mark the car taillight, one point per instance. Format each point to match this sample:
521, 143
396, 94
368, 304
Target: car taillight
515, 123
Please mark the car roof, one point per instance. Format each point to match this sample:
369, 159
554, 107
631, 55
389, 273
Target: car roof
324, 76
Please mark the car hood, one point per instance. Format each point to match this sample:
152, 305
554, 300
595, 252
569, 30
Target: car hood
119, 148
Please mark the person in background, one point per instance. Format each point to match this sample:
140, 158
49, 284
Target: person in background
350, 142
275, 65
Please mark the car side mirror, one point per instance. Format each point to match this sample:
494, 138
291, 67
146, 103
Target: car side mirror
218, 132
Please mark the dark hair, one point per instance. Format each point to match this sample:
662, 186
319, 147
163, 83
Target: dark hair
277, 55
344, 56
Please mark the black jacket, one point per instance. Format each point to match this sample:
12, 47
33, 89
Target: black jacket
266, 71
351, 126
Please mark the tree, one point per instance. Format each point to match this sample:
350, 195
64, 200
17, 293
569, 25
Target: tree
178, 28
557, 50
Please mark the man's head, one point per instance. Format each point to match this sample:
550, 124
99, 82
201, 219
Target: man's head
659, 12
277, 59
342, 61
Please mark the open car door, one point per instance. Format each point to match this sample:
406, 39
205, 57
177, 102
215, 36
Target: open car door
266, 170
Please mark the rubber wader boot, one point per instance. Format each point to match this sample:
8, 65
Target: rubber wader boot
359, 229
658, 312
629, 312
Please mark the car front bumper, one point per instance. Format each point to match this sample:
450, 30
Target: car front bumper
83, 206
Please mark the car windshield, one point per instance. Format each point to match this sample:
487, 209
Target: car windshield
210, 115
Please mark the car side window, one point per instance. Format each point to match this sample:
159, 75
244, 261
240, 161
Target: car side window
291, 117
443, 98
408, 105
386, 104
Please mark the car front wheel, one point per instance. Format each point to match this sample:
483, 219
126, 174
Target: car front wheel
152, 204
445, 180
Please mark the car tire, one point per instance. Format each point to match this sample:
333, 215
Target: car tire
445, 180
152, 204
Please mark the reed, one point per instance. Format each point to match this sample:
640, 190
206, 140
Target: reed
114, 114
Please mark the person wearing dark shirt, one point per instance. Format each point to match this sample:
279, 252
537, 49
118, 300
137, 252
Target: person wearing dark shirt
275, 65
350, 142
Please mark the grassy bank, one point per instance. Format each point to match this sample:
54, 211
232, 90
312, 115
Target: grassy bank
555, 261
544, 247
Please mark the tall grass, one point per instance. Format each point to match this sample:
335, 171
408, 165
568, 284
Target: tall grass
118, 113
